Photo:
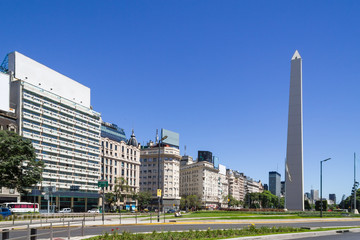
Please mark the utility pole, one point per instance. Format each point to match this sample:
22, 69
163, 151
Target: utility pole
159, 190
355, 186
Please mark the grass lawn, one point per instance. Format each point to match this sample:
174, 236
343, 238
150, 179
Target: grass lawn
257, 215
250, 230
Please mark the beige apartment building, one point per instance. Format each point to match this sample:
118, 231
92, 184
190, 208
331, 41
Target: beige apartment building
236, 184
223, 187
169, 164
204, 180
120, 161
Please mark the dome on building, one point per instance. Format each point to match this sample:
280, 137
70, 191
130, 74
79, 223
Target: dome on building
132, 141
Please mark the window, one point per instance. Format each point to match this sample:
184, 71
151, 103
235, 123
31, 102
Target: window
116, 147
107, 144
110, 145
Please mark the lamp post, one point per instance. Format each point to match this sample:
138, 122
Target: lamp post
321, 201
159, 190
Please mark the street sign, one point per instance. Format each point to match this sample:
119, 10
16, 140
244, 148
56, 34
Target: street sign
35, 192
46, 196
159, 192
103, 183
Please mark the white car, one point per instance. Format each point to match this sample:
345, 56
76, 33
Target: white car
94, 210
65, 210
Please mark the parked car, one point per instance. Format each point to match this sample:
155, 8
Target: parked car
5, 212
171, 211
65, 210
94, 210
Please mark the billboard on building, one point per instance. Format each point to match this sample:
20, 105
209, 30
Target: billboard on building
4, 92
216, 162
45, 78
222, 169
172, 137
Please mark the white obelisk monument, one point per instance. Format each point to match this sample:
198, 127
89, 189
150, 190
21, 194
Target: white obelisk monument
294, 177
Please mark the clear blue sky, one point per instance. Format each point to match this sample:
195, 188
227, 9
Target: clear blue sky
217, 72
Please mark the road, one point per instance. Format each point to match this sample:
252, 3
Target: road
97, 230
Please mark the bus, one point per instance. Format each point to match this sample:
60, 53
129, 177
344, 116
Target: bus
21, 207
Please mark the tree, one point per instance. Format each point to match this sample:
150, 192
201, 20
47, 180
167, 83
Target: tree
307, 205
109, 199
19, 168
121, 190
318, 206
190, 202
144, 199
263, 200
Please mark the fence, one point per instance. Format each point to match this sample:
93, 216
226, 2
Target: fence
49, 224
32, 232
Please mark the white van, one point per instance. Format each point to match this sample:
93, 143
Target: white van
65, 210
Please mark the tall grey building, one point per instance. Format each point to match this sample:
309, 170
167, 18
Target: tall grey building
275, 183
294, 179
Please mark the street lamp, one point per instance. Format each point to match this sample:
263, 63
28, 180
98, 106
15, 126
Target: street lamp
321, 201
159, 190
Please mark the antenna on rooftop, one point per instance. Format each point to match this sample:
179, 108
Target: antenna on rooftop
185, 150
157, 137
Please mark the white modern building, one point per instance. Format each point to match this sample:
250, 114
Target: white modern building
54, 112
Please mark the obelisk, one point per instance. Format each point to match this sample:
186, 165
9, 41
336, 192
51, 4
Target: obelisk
294, 177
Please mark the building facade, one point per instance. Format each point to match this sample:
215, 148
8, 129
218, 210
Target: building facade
120, 162
54, 112
236, 184
332, 197
275, 183
169, 165
201, 179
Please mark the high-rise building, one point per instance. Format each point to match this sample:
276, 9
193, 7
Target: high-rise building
294, 192
275, 183
332, 196
54, 112
314, 195
169, 166
282, 188
120, 163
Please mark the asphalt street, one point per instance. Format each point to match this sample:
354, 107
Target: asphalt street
97, 230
